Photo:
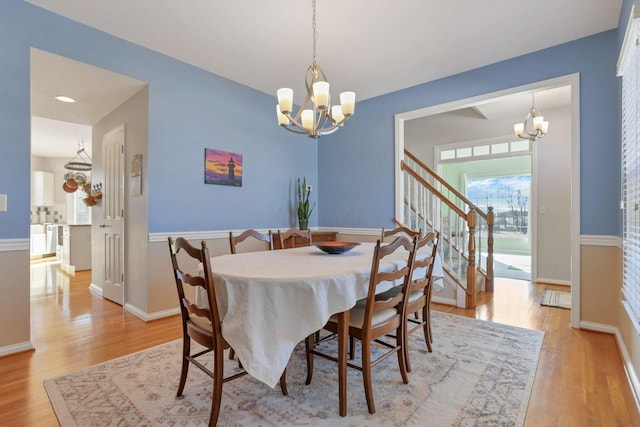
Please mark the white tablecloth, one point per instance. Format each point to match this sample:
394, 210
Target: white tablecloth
270, 301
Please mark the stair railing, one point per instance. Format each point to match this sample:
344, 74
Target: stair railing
466, 231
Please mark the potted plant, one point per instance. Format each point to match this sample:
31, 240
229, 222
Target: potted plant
304, 211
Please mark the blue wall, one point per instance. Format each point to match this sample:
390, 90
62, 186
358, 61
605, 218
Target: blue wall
356, 169
189, 109
352, 170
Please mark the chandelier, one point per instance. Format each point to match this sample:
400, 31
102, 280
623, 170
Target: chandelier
316, 116
540, 127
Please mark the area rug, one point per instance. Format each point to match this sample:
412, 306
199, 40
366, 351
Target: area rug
553, 298
480, 373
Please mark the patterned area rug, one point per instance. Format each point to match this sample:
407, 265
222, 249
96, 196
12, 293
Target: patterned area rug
552, 298
480, 373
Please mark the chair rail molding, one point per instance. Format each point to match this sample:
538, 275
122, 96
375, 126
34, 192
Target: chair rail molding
224, 234
8, 245
601, 241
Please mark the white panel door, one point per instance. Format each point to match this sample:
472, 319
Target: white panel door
113, 224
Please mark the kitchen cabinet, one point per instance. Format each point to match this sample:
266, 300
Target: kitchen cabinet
76, 248
42, 185
38, 244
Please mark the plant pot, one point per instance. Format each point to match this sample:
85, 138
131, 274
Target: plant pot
303, 224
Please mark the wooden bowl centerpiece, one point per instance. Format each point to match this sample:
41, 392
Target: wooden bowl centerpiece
336, 247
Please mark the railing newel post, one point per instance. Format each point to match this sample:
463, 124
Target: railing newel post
471, 266
490, 222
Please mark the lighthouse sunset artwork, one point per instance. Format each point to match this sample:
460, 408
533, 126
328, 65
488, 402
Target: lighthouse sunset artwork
222, 167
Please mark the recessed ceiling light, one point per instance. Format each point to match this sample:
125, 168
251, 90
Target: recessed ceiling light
65, 98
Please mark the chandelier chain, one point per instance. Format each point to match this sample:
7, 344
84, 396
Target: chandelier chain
315, 31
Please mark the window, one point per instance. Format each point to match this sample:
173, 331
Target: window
509, 197
629, 69
77, 211
477, 150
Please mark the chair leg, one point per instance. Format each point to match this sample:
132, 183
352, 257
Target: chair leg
283, 382
427, 327
308, 344
403, 352
186, 348
232, 354
218, 372
366, 375
427, 317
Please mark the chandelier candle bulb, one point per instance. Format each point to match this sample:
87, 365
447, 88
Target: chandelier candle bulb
285, 100
321, 94
336, 113
537, 122
307, 119
348, 102
518, 128
545, 127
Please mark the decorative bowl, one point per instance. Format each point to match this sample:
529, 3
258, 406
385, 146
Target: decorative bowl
336, 247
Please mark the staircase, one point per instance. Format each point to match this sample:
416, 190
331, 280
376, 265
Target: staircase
466, 232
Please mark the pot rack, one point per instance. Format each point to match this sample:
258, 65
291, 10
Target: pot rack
80, 162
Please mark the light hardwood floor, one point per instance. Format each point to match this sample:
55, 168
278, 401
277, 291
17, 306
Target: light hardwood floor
580, 380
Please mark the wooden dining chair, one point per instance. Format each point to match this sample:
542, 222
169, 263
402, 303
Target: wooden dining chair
201, 324
399, 231
235, 240
417, 311
293, 238
372, 319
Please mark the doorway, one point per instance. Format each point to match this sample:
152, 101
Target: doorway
96, 93
472, 109
501, 182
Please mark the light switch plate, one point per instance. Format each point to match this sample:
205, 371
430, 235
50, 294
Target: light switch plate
3, 202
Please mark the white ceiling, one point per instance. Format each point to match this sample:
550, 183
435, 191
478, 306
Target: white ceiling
372, 47
58, 128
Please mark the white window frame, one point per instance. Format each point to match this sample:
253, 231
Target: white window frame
629, 69
509, 143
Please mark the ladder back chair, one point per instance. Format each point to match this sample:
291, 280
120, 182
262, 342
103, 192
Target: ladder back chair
418, 293
235, 240
399, 231
294, 237
372, 319
234, 246
199, 323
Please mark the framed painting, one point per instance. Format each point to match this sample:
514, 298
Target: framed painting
136, 176
222, 168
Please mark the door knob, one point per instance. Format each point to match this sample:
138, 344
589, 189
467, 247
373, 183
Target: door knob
104, 226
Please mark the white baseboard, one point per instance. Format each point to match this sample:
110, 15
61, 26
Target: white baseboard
143, 315
553, 281
443, 300
632, 376
95, 289
598, 327
628, 368
147, 317
16, 348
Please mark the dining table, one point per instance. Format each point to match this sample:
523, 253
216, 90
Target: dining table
269, 301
